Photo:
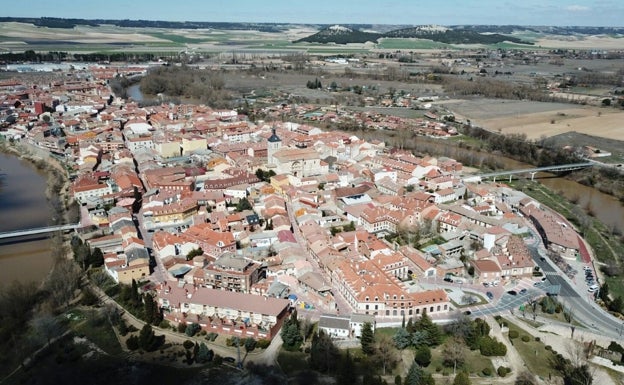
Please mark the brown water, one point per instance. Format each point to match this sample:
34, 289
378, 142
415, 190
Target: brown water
23, 205
605, 207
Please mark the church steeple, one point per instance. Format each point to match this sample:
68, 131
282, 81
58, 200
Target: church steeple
274, 138
274, 144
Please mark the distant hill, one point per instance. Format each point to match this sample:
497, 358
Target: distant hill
453, 36
341, 35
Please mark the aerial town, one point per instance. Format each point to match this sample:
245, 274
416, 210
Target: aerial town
283, 215
238, 239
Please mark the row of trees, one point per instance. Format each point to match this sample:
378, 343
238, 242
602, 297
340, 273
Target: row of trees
143, 306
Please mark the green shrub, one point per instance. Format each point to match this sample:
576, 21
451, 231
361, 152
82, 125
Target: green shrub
537, 339
188, 344
548, 347
132, 342
192, 329
181, 327
513, 334
164, 324
438, 369
526, 338
487, 372
263, 343
502, 371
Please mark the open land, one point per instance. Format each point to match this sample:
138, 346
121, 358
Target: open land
538, 119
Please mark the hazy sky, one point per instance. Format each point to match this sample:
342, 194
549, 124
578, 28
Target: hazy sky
443, 12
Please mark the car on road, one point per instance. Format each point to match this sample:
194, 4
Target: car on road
448, 279
229, 360
537, 283
512, 292
489, 295
467, 312
522, 291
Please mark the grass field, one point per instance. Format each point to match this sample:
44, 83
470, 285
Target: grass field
397, 43
533, 353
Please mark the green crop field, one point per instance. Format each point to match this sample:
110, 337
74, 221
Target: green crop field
396, 43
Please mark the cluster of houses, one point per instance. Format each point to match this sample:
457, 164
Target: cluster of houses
240, 215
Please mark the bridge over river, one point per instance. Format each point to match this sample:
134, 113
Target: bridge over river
531, 171
39, 230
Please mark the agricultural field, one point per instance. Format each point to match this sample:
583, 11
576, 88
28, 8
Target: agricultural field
538, 119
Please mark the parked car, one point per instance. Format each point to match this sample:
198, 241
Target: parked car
523, 291
229, 360
448, 279
489, 295
512, 292
537, 283
486, 284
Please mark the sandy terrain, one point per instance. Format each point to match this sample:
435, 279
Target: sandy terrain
584, 42
79, 34
536, 119
607, 123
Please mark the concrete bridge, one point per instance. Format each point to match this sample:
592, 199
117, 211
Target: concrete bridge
531, 171
39, 230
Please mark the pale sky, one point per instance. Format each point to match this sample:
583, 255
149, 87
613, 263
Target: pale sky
413, 12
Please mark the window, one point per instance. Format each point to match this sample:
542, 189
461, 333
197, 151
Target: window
431, 309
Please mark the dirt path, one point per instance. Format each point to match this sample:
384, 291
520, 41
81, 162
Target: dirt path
558, 337
512, 359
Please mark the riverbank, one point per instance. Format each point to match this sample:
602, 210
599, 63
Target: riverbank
63, 208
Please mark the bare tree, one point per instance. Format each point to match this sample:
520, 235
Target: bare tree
454, 352
385, 352
63, 281
46, 326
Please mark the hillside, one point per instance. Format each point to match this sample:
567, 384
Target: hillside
341, 35
453, 36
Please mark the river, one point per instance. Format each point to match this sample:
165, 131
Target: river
134, 92
23, 205
605, 207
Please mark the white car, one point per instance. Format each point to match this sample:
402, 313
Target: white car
592, 288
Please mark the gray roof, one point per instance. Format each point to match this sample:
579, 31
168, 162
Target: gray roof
361, 318
137, 253
334, 322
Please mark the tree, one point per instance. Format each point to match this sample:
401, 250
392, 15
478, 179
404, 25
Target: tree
243, 204
525, 378
323, 353
461, 379
385, 353
346, 370
132, 342
453, 352
192, 329
423, 356
417, 376
63, 281
46, 326
97, 258
401, 339
290, 333
203, 354
367, 339
194, 253
151, 311
148, 341
434, 335
250, 344
419, 338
